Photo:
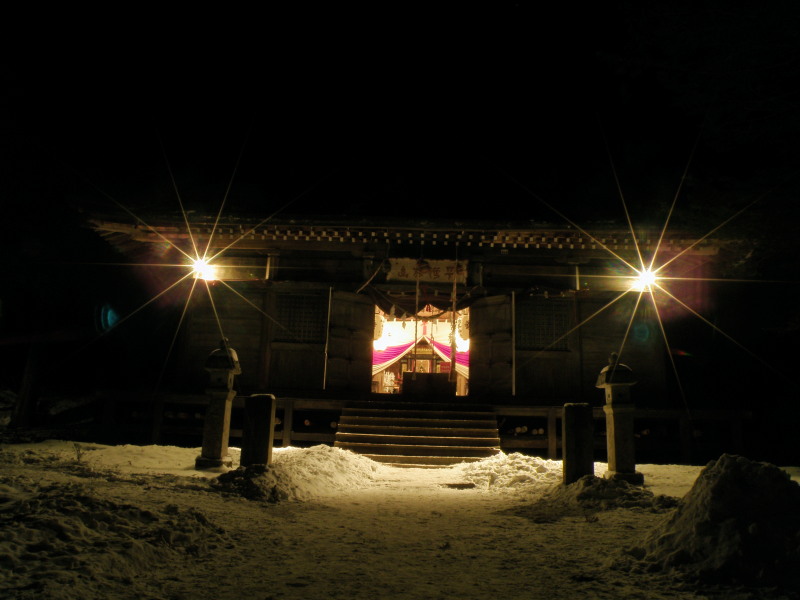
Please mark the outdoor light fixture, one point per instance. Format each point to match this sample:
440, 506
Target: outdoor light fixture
231, 268
202, 270
644, 280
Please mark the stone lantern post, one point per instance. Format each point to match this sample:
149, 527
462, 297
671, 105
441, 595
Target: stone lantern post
617, 380
222, 365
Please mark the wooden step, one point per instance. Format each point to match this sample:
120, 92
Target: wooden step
417, 440
408, 405
440, 431
417, 449
397, 421
423, 462
419, 433
418, 413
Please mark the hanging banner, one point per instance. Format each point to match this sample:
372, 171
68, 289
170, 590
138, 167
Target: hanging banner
410, 269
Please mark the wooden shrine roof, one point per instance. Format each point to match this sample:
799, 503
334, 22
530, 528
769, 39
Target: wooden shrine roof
325, 234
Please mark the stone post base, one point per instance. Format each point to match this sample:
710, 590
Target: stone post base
634, 478
201, 462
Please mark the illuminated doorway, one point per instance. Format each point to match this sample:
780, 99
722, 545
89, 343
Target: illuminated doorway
434, 342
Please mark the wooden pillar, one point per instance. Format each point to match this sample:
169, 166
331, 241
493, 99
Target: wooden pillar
577, 441
258, 434
552, 435
288, 417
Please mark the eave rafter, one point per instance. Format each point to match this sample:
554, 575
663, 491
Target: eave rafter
244, 236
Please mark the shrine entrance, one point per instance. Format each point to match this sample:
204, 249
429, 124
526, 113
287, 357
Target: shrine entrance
428, 351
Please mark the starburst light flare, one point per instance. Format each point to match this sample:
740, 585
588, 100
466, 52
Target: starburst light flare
644, 281
201, 269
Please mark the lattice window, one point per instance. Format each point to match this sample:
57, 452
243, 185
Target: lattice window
542, 323
302, 318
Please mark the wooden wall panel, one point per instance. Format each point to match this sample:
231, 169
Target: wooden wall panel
295, 366
352, 324
548, 349
239, 320
644, 350
491, 348
295, 352
552, 378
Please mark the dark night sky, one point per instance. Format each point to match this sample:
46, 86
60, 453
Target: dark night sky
447, 113
423, 113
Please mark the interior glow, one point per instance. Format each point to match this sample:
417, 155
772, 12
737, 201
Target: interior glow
396, 333
644, 280
202, 270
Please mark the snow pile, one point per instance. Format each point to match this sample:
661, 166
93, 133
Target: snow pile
607, 494
130, 458
740, 523
90, 459
58, 536
300, 474
512, 472
590, 495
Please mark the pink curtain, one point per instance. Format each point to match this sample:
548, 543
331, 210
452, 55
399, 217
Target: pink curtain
462, 358
383, 358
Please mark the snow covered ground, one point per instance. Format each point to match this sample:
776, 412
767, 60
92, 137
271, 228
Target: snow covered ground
82, 520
